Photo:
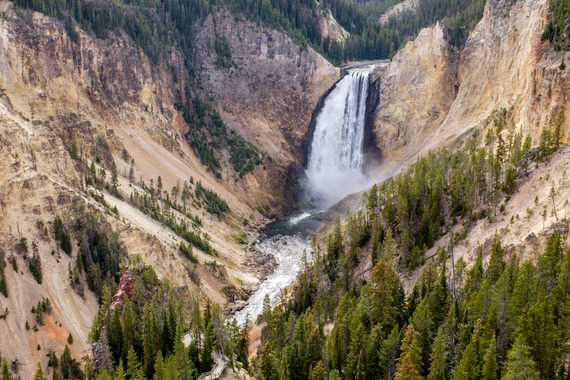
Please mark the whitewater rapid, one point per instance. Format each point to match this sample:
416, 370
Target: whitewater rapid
288, 251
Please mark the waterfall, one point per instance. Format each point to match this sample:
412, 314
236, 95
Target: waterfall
334, 167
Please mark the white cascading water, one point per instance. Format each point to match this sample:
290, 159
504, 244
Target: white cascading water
334, 170
336, 156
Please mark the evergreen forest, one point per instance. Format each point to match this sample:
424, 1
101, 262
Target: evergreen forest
502, 318
156, 25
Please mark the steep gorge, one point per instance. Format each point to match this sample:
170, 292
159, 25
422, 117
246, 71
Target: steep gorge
113, 99
112, 104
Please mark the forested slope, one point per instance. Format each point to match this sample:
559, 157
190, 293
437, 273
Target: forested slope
508, 320
157, 25
362, 310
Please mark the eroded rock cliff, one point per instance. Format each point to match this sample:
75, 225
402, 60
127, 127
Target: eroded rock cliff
417, 89
265, 85
66, 105
431, 94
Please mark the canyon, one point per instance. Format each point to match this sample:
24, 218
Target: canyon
118, 105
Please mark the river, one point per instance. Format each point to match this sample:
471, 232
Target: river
286, 240
334, 170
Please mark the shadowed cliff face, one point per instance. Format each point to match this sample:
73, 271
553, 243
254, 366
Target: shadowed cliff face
265, 86
431, 94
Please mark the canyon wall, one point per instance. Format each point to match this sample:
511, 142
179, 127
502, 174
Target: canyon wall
116, 105
266, 87
433, 94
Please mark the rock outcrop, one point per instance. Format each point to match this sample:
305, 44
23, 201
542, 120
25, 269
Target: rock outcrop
330, 28
265, 86
416, 90
399, 9
431, 94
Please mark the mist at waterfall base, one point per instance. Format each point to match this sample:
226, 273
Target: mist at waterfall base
336, 157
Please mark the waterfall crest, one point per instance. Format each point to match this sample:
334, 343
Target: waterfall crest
334, 167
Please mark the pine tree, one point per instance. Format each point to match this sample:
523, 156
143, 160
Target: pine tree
133, 363
519, 364
373, 352
475, 274
150, 338
549, 262
527, 145
114, 177
299, 354
498, 317
6, 373
315, 346
423, 322
540, 334
438, 358
159, 187
372, 203
159, 367
116, 335
552, 196
411, 351
39, 375
120, 372
206, 358
496, 264
355, 350
389, 353
182, 364
3, 283
375, 245
438, 298
490, 367
544, 149
389, 246
128, 328
406, 369
360, 370
284, 366
469, 366
524, 292
318, 372
334, 375
171, 369
35, 264
267, 366
103, 375
382, 280
103, 354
